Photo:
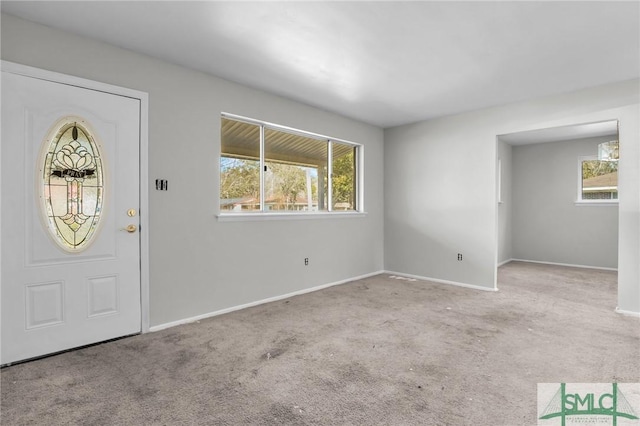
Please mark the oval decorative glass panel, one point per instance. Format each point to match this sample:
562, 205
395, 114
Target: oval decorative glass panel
72, 185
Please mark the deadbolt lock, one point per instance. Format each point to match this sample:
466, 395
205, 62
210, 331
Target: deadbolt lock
131, 212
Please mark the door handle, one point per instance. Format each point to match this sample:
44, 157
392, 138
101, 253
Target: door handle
130, 228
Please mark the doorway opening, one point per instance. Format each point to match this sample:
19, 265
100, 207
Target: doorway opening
558, 197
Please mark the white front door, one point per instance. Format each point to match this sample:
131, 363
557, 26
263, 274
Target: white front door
70, 252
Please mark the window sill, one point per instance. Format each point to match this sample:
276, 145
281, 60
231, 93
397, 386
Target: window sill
238, 217
609, 203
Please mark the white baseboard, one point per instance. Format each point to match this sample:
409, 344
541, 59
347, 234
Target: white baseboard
569, 265
436, 280
628, 313
504, 262
258, 302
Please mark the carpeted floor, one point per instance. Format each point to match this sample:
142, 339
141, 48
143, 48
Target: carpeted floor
379, 351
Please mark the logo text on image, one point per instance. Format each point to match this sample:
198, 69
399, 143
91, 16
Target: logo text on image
588, 403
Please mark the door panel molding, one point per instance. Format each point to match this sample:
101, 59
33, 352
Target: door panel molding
143, 98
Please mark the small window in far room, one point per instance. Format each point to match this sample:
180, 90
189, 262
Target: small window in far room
598, 175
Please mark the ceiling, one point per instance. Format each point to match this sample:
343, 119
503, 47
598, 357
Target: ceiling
384, 63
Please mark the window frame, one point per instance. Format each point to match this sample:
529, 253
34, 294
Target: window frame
263, 213
591, 202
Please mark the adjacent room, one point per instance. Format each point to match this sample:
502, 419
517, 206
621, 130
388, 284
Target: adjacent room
558, 195
421, 213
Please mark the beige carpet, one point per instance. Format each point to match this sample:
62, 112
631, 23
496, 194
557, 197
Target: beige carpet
378, 351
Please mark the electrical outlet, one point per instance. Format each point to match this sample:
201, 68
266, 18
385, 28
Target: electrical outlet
306, 261
460, 256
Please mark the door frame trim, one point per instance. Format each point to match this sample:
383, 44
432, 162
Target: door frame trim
143, 97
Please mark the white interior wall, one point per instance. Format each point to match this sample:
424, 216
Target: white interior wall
505, 204
199, 265
548, 226
439, 201
440, 196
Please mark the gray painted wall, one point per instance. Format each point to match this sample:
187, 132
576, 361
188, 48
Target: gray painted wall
198, 264
505, 207
440, 180
439, 183
547, 224
440, 200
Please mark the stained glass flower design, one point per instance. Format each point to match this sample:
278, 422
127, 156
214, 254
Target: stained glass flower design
72, 185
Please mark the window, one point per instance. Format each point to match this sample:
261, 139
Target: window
266, 168
598, 180
71, 184
240, 166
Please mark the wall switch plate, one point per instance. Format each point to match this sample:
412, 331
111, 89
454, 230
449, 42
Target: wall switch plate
162, 184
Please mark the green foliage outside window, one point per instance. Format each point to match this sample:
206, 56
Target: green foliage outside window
593, 168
